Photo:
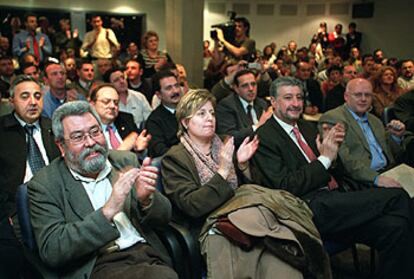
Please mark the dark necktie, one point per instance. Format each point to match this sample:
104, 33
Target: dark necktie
249, 114
311, 156
34, 156
36, 51
112, 138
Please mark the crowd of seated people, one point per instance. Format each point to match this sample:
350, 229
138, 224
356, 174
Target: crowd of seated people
79, 119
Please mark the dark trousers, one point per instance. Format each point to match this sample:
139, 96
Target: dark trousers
12, 262
138, 261
381, 218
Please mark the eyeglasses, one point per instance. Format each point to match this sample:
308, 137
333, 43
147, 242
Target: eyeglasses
80, 137
359, 95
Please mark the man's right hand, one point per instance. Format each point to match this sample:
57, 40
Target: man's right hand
331, 141
388, 182
120, 191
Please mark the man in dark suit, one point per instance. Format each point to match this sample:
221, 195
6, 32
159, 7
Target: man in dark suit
93, 210
119, 128
312, 89
404, 110
16, 160
291, 156
161, 123
240, 114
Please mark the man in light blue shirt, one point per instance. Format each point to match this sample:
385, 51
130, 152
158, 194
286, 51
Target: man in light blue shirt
31, 41
368, 149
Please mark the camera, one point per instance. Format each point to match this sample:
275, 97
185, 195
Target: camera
227, 27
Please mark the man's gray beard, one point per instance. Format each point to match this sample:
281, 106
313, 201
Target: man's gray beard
93, 166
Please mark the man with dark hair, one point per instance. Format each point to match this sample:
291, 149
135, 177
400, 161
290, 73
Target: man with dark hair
368, 66
30, 41
30, 69
406, 78
6, 75
93, 210
130, 101
243, 47
161, 123
353, 37
55, 78
119, 128
26, 145
86, 74
240, 114
311, 88
134, 71
293, 157
98, 43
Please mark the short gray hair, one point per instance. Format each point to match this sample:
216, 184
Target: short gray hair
284, 81
20, 79
68, 109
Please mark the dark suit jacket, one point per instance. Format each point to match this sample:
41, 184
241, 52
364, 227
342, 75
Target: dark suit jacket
314, 94
144, 88
13, 156
232, 118
163, 127
221, 90
69, 232
404, 110
279, 163
125, 124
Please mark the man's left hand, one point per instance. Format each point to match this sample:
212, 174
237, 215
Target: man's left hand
396, 128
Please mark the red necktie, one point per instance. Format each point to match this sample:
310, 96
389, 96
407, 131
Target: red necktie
35, 47
112, 138
311, 156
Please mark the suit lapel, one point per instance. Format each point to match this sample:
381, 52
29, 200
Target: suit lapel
77, 195
241, 111
47, 138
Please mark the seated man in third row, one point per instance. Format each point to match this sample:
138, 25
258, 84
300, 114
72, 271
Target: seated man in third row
293, 157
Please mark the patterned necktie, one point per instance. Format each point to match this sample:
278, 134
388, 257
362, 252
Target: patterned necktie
249, 114
34, 156
112, 138
311, 156
36, 51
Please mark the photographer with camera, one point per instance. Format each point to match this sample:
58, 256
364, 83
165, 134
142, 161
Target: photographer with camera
242, 47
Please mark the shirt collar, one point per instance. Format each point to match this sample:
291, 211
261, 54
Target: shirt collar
169, 109
101, 176
287, 127
244, 103
23, 123
363, 118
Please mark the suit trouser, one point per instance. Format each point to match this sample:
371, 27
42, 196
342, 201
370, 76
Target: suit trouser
381, 218
138, 261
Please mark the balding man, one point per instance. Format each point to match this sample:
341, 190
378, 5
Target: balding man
366, 151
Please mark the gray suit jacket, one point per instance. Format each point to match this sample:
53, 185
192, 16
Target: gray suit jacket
232, 118
69, 232
354, 151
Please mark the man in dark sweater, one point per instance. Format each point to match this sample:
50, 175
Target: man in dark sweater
161, 123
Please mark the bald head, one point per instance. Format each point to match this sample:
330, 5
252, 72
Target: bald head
358, 95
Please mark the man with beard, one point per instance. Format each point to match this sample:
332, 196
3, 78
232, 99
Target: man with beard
161, 123
26, 145
93, 210
293, 157
406, 79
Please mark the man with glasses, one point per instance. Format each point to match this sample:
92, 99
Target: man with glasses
366, 150
93, 210
240, 114
26, 145
119, 128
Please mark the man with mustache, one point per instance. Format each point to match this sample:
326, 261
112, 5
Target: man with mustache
161, 123
23, 151
293, 157
93, 211
240, 114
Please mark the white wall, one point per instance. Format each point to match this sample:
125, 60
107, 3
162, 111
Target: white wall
390, 29
154, 9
